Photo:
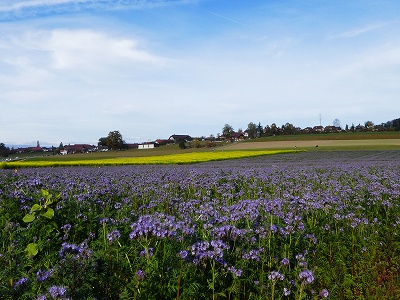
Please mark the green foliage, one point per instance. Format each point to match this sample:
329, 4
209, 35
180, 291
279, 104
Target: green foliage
182, 144
252, 130
41, 227
114, 140
4, 151
227, 130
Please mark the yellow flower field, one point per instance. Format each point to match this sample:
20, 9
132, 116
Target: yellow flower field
183, 158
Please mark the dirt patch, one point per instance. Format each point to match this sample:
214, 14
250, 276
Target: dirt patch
309, 144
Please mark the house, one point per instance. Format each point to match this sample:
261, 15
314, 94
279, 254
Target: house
331, 129
146, 146
79, 148
132, 146
318, 129
176, 138
29, 149
237, 136
162, 142
360, 128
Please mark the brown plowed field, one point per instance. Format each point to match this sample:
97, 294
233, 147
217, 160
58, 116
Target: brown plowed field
368, 143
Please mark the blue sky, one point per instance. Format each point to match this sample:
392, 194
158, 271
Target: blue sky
74, 70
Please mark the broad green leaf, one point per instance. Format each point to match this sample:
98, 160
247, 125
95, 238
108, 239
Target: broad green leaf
32, 249
49, 214
36, 207
29, 218
45, 193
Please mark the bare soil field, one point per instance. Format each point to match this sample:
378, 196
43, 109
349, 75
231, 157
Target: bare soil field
307, 144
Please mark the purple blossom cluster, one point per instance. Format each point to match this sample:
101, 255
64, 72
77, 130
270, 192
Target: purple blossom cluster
81, 251
208, 250
306, 276
57, 292
42, 276
113, 235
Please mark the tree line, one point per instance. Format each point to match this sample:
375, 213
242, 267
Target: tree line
254, 130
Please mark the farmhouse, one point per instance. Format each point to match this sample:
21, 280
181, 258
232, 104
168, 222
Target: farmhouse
237, 136
318, 129
146, 146
79, 148
176, 138
331, 129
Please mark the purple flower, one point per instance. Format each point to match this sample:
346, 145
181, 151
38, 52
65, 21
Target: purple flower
275, 275
252, 254
43, 275
20, 282
140, 274
286, 292
57, 291
113, 235
234, 271
324, 293
183, 254
148, 252
81, 251
306, 276
285, 261
66, 227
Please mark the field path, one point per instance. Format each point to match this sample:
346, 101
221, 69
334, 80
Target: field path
313, 143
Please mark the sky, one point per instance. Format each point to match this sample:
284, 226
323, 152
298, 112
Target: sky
71, 71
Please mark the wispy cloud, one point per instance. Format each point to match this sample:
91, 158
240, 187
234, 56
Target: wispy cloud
358, 31
230, 20
14, 6
20, 9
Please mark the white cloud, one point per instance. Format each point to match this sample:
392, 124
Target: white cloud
90, 49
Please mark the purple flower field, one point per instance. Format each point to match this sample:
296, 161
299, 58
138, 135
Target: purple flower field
309, 225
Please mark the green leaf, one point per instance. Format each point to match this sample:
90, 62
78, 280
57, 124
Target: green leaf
29, 218
32, 249
36, 207
45, 193
48, 201
49, 214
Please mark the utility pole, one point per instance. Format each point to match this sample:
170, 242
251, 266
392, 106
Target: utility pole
320, 123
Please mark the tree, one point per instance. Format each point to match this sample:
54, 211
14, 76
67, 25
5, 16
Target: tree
274, 129
182, 144
336, 123
4, 151
227, 130
102, 142
252, 130
267, 130
114, 140
288, 128
259, 130
369, 125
